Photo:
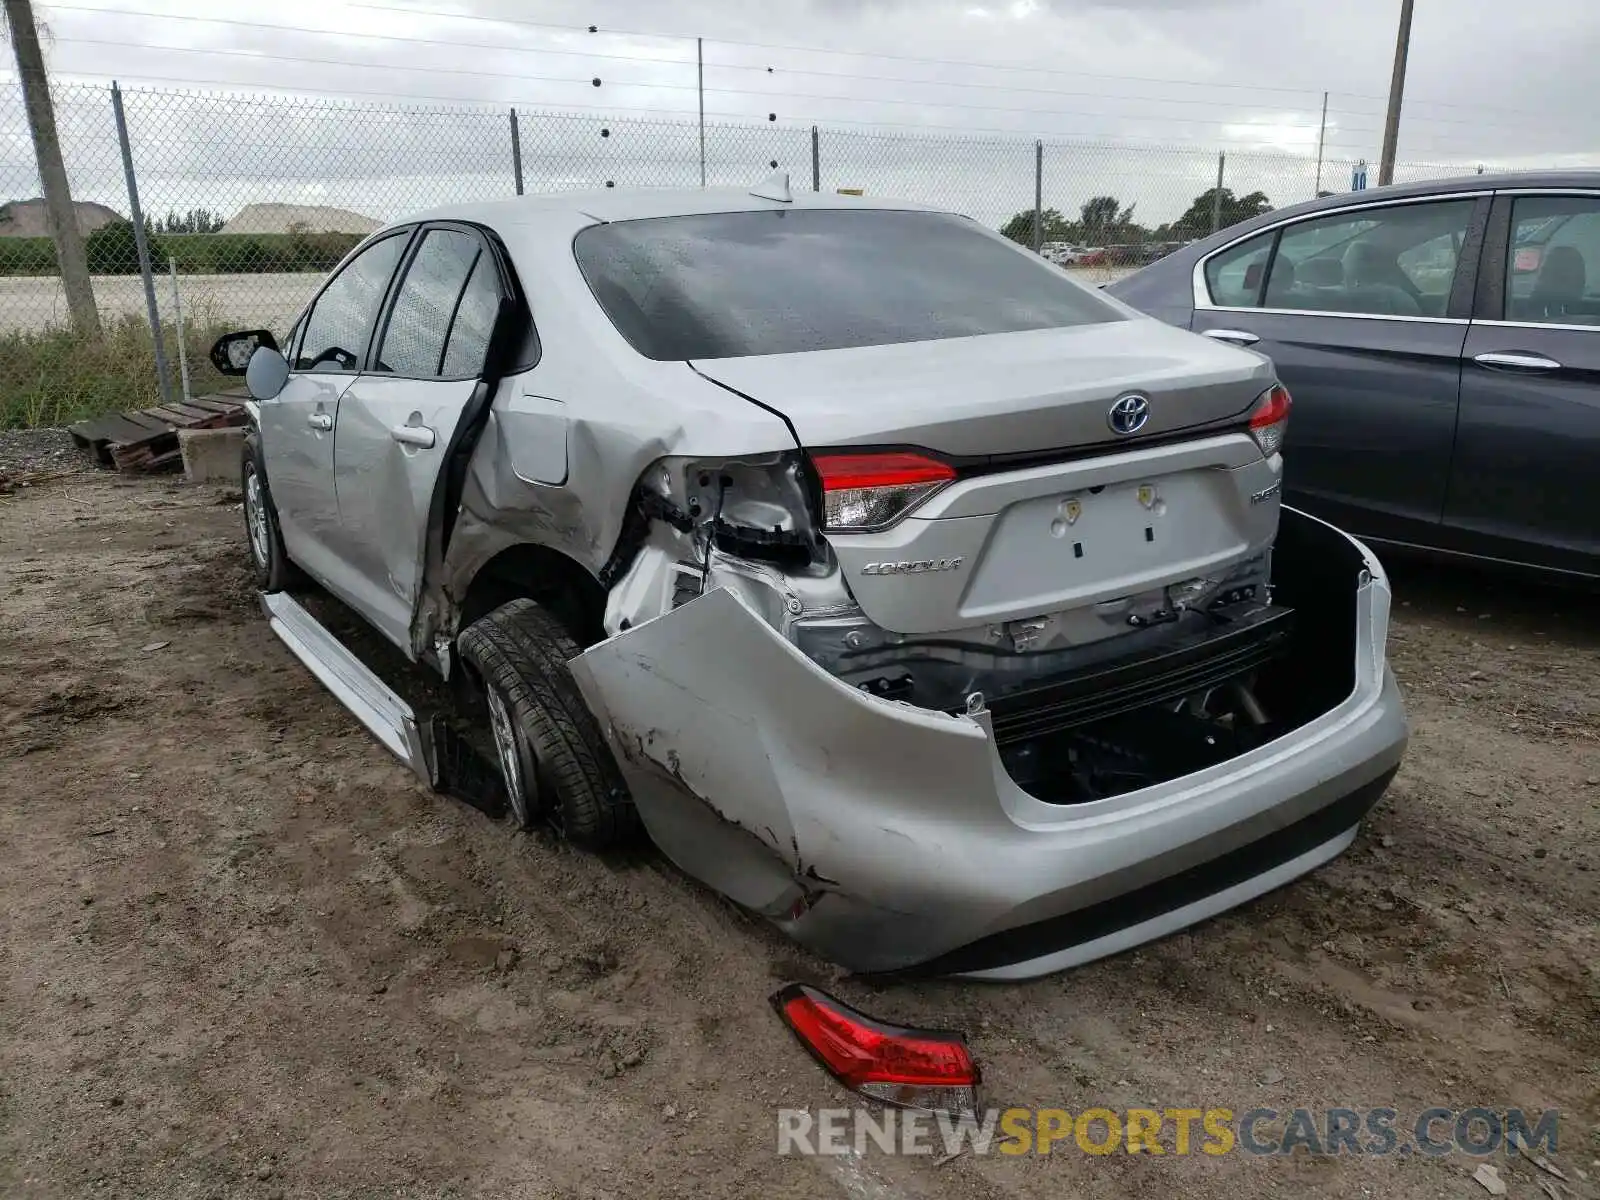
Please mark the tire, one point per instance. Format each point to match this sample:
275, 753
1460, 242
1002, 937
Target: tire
273, 570
553, 760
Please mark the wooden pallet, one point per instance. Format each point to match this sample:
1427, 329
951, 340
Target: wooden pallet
146, 439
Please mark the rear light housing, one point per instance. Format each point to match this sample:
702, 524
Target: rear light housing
923, 1069
868, 491
1270, 420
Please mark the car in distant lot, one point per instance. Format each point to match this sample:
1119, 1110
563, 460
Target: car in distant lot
1442, 341
1063, 254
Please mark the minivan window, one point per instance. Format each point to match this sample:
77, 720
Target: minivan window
725, 285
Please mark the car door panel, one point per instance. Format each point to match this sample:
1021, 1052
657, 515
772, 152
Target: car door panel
1524, 485
1374, 415
1364, 313
298, 425
297, 437
393, 435
1529, 445
399, 419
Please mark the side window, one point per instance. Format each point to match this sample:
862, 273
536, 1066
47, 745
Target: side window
1397, 261
339, 324
474, 321
1555, 250
1233, 278
426, 304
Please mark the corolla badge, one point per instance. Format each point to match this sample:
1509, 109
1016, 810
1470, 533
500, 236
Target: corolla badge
915, 567
1129, 414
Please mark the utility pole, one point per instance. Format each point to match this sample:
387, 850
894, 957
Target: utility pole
700, 87
1322, 140
1397, 87
63, 219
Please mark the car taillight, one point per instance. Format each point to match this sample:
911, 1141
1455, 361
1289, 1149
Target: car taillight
1270, 421
869, 491
909, 1068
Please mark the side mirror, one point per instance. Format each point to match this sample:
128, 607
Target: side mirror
267, 373
231, 352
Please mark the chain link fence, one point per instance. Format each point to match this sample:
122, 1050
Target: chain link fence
247, 201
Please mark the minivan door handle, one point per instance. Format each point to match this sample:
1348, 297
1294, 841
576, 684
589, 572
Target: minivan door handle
1516, 362
1237, 336
320, 421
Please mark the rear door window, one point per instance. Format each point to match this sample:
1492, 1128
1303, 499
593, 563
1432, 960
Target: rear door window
1553, 260
724, 285
1398, 261
1234, 277
419, 324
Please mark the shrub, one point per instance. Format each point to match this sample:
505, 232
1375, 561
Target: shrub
27, 256
55, 377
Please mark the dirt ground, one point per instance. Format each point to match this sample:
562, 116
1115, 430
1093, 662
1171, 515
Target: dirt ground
244, 953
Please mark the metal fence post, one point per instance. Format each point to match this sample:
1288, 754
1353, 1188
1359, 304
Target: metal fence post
177, 320
516, 151
1038, 197
142, 243
816, 160
1216, 196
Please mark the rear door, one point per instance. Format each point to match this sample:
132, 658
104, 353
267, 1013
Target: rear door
397, 420
297, 425
1364, 312
1526, 480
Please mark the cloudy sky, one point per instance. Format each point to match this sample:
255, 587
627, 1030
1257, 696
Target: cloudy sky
1160, 85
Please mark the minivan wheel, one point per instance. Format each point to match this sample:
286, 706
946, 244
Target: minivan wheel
273, 570
553, 760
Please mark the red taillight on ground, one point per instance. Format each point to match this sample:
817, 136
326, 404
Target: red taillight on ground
909, 1068
869, 491
1270, 421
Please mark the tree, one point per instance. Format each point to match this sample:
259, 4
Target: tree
113, 250
196, 220
1233, 209
59, 211
1020, 227
1098, 218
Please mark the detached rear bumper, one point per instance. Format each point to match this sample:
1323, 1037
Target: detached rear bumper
887, 837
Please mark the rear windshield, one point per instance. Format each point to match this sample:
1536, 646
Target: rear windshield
726, 285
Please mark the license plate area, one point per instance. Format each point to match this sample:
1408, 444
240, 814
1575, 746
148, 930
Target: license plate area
1098, 543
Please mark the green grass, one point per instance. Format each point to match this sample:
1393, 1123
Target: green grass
55, 377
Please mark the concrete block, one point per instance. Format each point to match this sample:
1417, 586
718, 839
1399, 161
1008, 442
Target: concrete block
211, 455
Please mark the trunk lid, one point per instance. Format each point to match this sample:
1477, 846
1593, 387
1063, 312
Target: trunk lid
1002, 394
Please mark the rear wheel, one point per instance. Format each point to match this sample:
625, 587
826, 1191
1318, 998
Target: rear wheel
274, 572
553, 760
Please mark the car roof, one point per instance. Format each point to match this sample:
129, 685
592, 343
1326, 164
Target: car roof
1519, 180
632, 204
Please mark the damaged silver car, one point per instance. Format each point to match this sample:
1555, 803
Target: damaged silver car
935, 607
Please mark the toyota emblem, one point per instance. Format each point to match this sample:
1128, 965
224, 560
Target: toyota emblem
1129, 414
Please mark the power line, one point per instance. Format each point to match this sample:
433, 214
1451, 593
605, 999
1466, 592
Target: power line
680, 62
804, 50
548, 108
689, 87
942, 62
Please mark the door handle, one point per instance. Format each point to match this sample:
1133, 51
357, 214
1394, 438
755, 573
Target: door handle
1238, 336
1517, 362
322, 421
412, 435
